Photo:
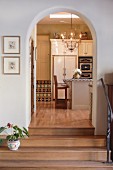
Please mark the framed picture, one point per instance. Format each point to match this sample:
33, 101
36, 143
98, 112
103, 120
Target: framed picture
11, 65
11, 44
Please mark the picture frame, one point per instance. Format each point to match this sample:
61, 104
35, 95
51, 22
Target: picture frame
11, 65
11, 44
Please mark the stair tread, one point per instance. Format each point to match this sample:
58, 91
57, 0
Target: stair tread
22, 163
58, 137
54, 149
65, 137
58, 127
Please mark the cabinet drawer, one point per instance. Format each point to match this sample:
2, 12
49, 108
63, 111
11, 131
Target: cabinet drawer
85, 60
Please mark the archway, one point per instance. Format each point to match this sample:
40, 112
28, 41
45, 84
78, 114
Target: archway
88, 22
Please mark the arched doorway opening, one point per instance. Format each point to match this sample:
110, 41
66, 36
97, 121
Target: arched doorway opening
44, 13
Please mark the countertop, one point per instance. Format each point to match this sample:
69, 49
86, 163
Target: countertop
89, 80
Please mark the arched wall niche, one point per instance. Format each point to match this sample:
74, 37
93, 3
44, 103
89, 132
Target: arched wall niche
40, 16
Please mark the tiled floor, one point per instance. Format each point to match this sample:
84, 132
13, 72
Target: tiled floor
48, 116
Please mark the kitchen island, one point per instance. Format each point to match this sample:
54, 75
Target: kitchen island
78, 93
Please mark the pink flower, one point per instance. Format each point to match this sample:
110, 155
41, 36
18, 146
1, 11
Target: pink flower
9, 125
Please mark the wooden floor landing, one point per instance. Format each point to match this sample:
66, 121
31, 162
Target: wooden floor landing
49, 117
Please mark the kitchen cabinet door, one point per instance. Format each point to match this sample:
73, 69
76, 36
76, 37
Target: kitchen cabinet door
59, 68
85, 48
63, 68
70, 65
81, 49
88, 49
57, 48
43, 57
59, 72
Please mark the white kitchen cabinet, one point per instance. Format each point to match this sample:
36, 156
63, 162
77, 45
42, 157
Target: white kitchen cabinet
58, 47
86, 48
59, 68
80, 94
63, 63
70, 65
64, 67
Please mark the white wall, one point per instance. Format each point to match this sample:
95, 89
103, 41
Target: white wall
18, 17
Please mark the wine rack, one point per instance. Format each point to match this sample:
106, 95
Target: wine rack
43, 90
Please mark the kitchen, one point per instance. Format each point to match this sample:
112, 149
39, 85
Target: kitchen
81, 57
63, 65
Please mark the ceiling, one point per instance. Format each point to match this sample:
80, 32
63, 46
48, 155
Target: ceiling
48, 20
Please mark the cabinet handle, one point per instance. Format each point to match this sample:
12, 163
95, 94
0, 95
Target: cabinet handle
64, 71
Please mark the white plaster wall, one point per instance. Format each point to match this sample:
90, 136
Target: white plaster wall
18, 17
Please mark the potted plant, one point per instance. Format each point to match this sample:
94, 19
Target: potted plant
14, 133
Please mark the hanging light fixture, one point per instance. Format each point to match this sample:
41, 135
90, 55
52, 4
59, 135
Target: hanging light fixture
71, 43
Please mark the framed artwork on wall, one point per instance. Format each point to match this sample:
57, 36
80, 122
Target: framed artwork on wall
11, 44
11, 65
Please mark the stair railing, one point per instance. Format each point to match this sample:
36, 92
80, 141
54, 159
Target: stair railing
109, 121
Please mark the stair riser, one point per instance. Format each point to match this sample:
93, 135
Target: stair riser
64, 143
75, 142
86, 156
62, 132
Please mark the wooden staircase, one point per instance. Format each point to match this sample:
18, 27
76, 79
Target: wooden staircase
50, 151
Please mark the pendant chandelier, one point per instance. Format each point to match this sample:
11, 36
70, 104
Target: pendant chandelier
70, 41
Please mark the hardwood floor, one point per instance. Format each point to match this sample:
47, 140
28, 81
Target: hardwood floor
49, 117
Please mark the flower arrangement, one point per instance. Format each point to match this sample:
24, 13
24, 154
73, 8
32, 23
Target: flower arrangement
77, 73
13, 132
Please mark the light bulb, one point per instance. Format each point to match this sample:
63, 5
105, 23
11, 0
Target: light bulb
80, 35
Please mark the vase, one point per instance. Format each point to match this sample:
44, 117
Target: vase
76, 76
13, 145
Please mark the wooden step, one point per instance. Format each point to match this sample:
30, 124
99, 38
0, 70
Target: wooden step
86, 154
78, 141
54, 165
62, 131
56, 153
64, 141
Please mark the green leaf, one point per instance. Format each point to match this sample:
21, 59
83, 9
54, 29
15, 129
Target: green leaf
9, 137
15, 127
2, 129
20, 131
1, 141
16, 135
25, 131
